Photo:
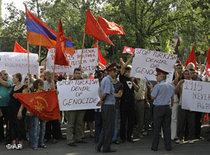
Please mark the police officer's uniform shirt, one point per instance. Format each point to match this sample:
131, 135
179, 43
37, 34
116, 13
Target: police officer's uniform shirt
163, 92
107, 87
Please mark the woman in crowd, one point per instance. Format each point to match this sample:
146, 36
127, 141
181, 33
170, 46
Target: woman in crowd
17, 114
185, 117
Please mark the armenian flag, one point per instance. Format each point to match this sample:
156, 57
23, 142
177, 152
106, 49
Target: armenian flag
38, 33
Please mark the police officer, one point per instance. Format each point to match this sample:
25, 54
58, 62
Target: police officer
163, 95
107, 103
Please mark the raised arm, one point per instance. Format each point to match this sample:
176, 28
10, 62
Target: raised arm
124, 65
179, 86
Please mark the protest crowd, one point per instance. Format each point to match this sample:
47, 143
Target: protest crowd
125, 106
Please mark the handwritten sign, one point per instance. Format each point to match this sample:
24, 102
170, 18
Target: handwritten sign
89, 61
146, 61
14, 62
78, 94
196, 96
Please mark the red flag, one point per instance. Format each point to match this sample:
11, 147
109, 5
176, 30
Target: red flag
128, 50
41, 104
92, 76
100, 57
110, 28
60, 58
208, 56
192, 58
206, 117
93, 28
19, 49
208, 69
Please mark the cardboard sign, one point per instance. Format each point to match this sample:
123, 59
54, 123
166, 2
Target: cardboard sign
89, 61
196, 96
14, 62
78, 94
146, 61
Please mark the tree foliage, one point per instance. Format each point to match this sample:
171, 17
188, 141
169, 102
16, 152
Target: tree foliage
150, 24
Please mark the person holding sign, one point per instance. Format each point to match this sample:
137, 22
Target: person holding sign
107, 104
162, 94
75, 119
186, 118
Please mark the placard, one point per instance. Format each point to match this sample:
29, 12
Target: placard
78, 94
145, 63
89, 61
14, 62
196, 96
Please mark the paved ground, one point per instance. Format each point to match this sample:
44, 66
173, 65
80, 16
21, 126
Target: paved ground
140, 147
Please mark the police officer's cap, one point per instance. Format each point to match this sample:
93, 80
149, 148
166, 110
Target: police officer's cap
161, 72
112, 66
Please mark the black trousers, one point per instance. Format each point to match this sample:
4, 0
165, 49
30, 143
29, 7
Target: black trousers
17, 129
198, 116
53, 130
162, 119
108, 122
186, 124
4, 120
127, 120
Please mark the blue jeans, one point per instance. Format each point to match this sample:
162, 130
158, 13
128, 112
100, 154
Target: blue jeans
35, 138
117, 112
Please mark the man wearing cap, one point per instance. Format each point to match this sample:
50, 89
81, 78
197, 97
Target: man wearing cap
107, 104
162, 94
127, 103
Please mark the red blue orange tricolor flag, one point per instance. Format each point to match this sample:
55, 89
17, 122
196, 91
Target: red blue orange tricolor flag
38, 33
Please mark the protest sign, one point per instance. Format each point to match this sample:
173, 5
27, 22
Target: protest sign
89, 61
14, 62
146, 61
78, 94
196, 96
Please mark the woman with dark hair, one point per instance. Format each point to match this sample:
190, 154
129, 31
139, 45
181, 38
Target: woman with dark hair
16, 115
185, 117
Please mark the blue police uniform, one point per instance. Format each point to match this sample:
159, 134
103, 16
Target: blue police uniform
163, 92
108, 114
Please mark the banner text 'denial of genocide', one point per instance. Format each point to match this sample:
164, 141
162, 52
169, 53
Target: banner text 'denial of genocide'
78, 94
89, 61
146, 61
196, 96
14, 62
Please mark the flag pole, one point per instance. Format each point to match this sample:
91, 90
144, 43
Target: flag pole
83, 44
28, 67
53, 74
39, 52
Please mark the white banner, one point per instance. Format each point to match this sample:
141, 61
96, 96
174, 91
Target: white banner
14, 62
196, 96
146, 61
89, 61
78, 94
